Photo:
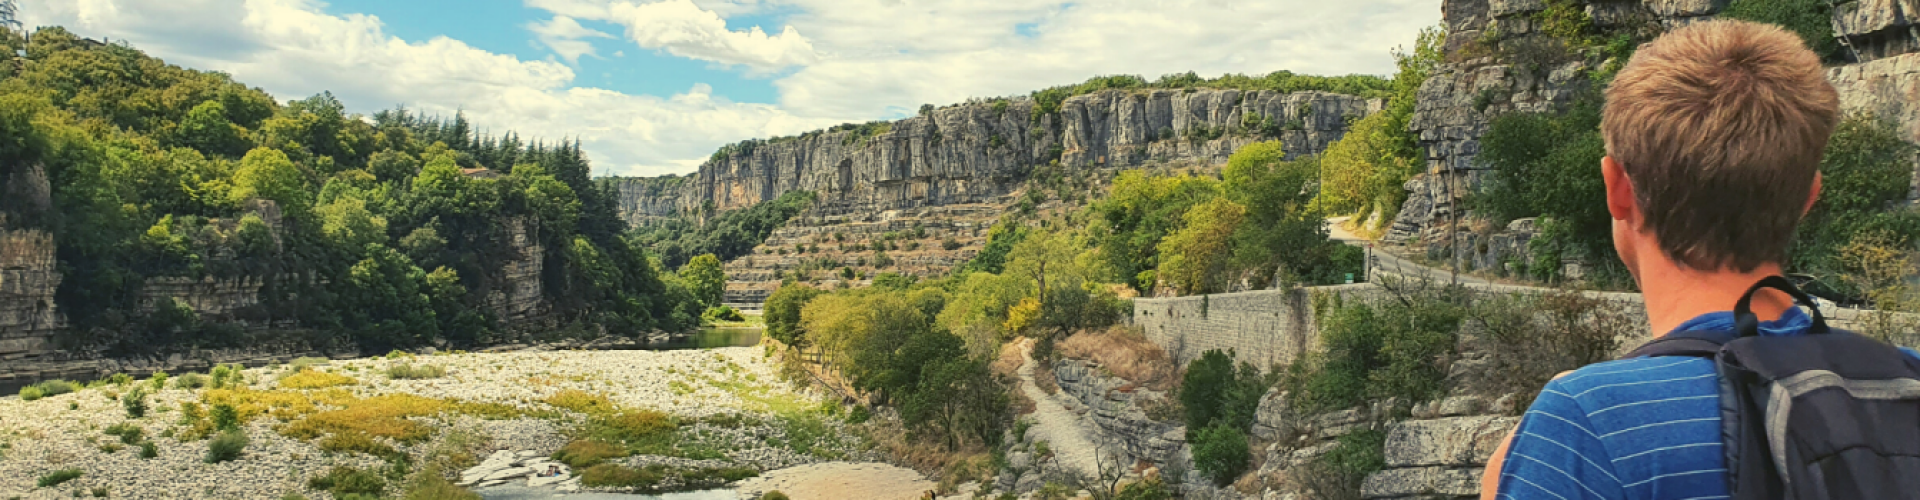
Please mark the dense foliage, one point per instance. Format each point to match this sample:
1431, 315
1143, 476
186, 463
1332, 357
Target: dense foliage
1364, 173
727, 235
1811, 19
1198, 235
386, 231
1220, 404
1396, 348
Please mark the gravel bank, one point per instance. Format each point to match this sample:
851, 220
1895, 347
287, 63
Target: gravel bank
66, 431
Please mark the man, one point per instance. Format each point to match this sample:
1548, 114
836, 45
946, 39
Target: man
1714, 133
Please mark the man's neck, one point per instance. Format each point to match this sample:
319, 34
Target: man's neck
1675, 294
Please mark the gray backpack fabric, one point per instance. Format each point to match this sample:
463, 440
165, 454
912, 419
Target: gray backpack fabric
1830, 414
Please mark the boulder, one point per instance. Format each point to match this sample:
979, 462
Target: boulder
1438, 481
1458, 441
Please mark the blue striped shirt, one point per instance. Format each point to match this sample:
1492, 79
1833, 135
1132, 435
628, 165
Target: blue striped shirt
1644, 428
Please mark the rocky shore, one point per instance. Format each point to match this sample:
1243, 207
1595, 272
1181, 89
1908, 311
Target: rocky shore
729, 402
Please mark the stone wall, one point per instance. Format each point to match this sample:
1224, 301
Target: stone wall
1264, 327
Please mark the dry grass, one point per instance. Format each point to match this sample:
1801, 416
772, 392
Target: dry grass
582, 402
310, 379
1126, 353
929, 456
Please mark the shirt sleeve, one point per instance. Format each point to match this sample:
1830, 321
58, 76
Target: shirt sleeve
1556, 454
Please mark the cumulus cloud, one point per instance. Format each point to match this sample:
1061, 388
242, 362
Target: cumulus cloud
292, 49
684, 29
566, 37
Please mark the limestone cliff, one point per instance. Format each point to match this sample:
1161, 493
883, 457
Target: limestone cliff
974, 152
1458, 101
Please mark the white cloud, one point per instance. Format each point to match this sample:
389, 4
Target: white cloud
566, 37
684, 29
293, 50
858, 60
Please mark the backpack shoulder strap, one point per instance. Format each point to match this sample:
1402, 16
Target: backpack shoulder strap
1696, 344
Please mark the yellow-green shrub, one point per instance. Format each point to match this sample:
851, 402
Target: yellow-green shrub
311, 379
582, 402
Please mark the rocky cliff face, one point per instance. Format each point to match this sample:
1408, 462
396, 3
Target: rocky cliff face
1464, 94
975, 152
28, 279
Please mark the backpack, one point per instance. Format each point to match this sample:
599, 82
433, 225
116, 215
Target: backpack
1830, 414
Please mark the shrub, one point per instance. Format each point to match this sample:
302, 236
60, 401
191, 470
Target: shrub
60, 476
1151, 489
1337, 474
314, 379
357, 442
158, 382
1221, 453
47, 389
149, 450
582, 454
190, 381
409, 371
227, 446
435, 487
1533, 338
226, 375
950, 244
774, 495
135, 402
1811, 19
722, 313
343, 480
634, 427
1398, 349
1213, 393
225, 417
127, 432
616, 476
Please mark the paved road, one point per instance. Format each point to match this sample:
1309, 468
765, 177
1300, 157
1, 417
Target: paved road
1388, 262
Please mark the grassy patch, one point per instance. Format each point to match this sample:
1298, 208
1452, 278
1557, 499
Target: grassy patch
60, 476
409, 371
127, 432
582, 402
383, 416
582, 454
313, 379
617, 476
46, 389
357, 442
342, 481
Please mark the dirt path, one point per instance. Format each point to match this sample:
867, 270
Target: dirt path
1068, 434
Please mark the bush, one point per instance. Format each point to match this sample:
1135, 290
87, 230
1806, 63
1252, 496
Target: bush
225, 417
190, 381
226, 447
47, 389
435, 487
1399, 349
950, 244
634, 427
149, 450
774, 495
1213, 393
1811, 19
409, 371
127, 432
1152, 489
343, 480
581, 402
60, 476
585, 453
1534, 338
1221, 453
722, 313
158, 382
357, 442
135, 402
1337, 474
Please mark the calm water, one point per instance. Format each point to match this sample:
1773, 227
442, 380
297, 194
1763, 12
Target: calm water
710, 338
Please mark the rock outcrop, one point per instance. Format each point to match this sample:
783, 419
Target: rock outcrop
28, 278
975, 152
1457, 103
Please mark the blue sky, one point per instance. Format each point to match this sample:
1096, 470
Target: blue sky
652, 87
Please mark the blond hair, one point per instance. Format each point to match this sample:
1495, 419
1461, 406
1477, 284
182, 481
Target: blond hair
1720, 126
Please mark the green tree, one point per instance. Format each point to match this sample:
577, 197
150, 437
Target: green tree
207, 129
268, 174
1195, 259
783, 312
706, 278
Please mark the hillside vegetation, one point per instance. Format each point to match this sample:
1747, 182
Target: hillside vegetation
365, 229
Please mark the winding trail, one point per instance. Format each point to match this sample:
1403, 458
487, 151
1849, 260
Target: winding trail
1068, 434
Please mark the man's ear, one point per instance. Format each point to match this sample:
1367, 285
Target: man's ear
1621, 202
1813, 196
